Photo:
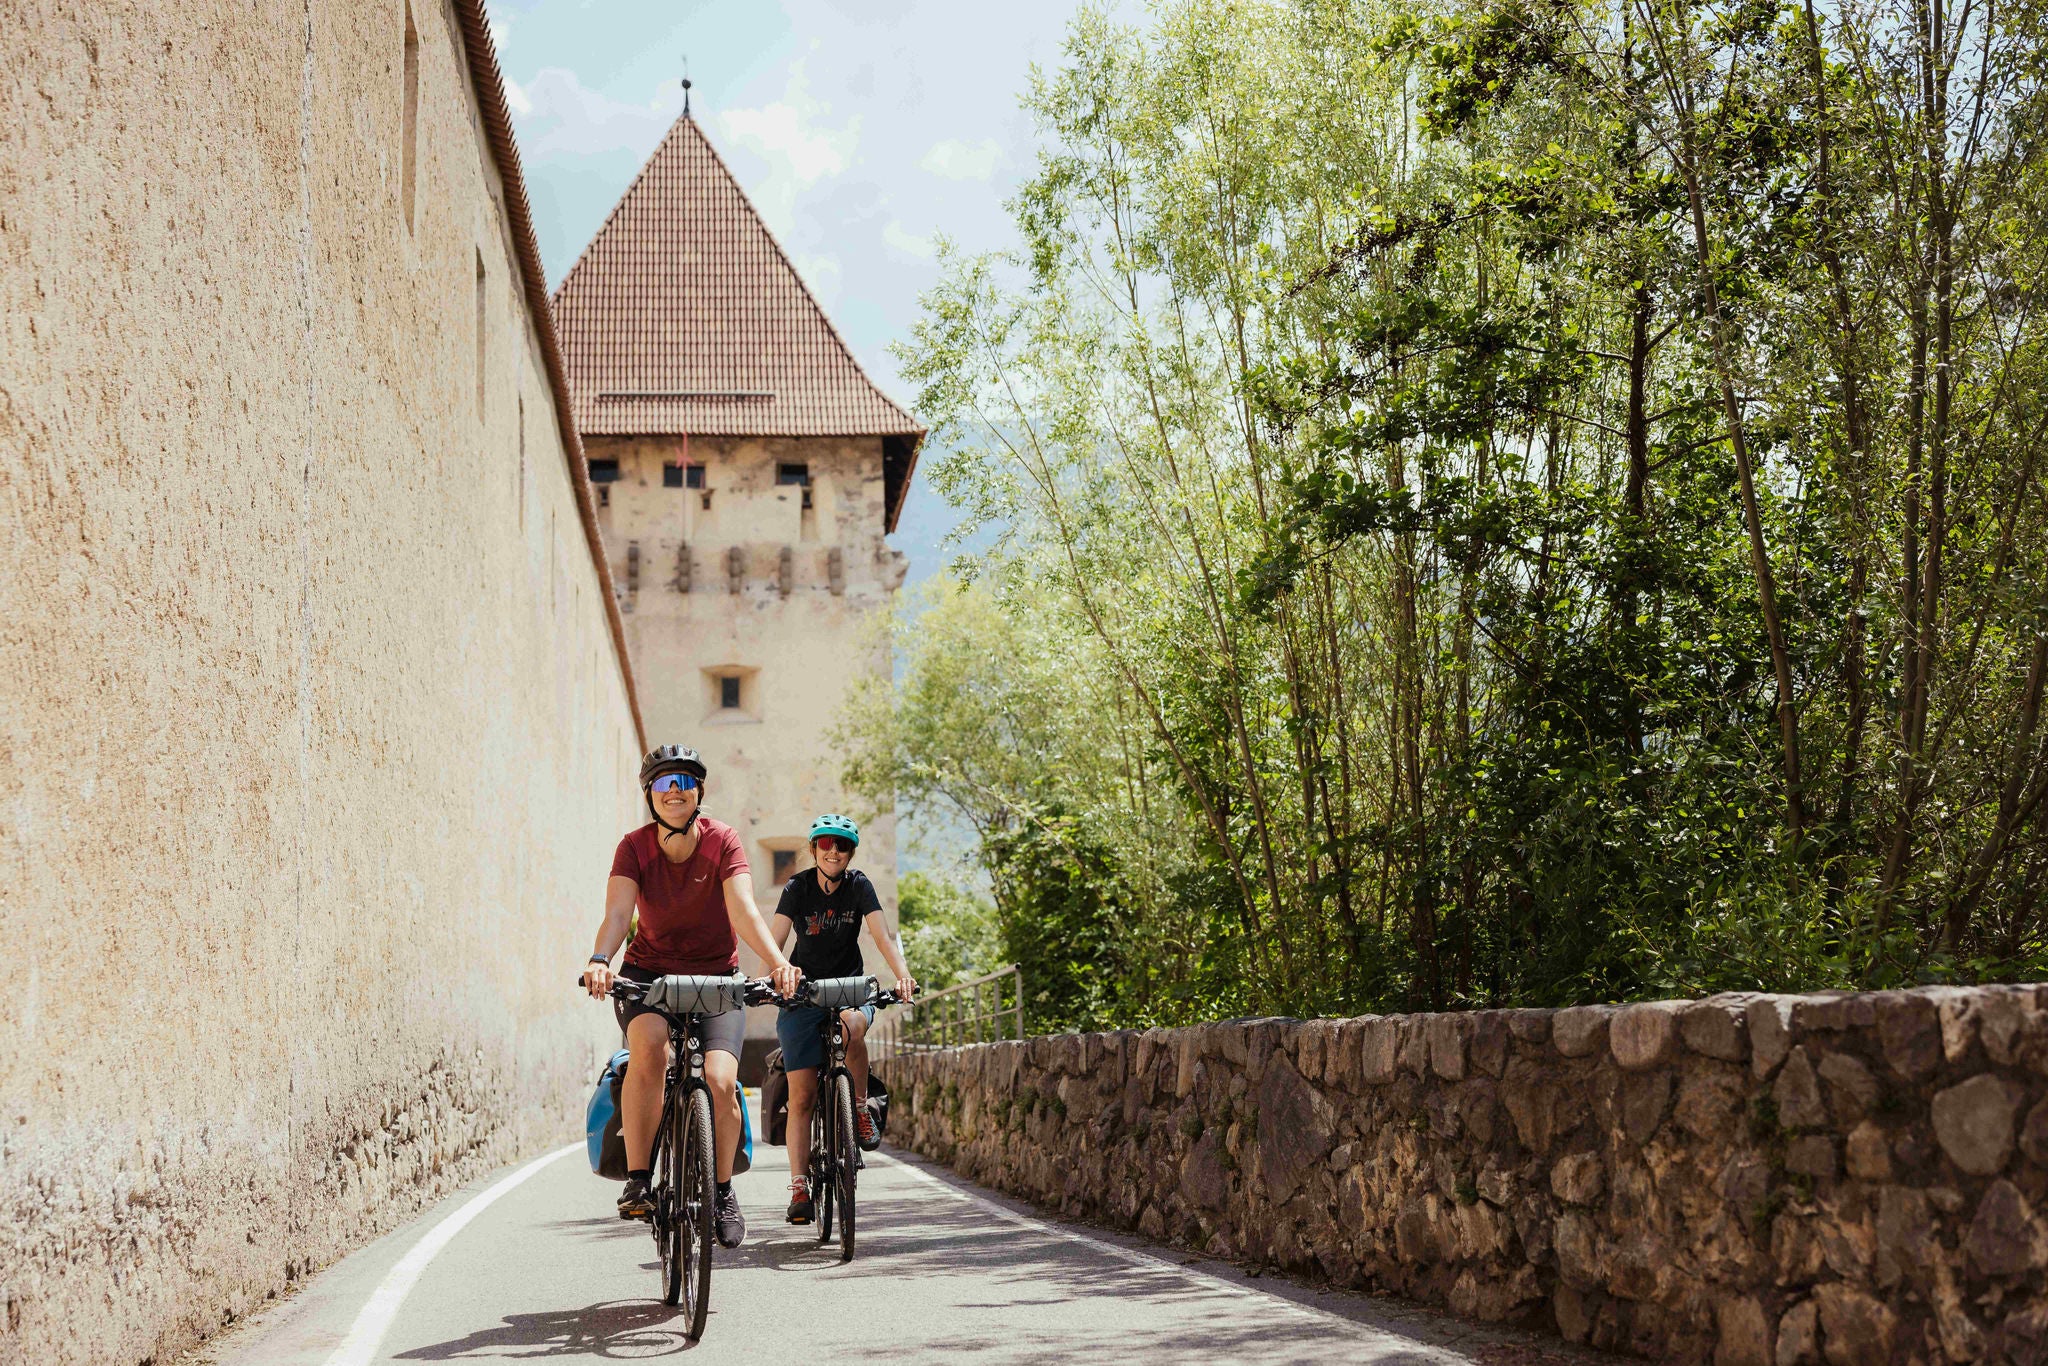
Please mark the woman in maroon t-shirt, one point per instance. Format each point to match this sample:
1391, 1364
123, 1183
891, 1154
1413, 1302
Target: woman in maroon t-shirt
688, 876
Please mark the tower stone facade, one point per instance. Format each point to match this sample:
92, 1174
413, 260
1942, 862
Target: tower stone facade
748, 472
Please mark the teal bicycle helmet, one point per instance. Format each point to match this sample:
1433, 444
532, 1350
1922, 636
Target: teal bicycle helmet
836, 825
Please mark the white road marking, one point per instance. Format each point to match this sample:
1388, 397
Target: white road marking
1208, 1280
367, 1333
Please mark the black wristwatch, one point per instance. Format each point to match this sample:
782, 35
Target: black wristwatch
599, 958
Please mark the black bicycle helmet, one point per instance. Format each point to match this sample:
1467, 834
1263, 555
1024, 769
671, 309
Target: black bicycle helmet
672, 759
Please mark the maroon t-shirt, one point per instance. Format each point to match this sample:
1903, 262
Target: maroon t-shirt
683, 924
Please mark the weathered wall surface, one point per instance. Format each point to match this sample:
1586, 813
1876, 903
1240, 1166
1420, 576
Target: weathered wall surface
313, 739
1754, 1180
793, 617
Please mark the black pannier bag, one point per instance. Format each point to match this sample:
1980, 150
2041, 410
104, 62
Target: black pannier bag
774, 1100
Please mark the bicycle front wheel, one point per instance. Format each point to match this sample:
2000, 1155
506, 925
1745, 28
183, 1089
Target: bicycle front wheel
695, 1206
822, 1166
846, 1156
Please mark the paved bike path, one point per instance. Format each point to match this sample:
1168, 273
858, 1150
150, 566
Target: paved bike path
945, 1272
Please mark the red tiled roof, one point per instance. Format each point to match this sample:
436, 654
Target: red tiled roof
683, 315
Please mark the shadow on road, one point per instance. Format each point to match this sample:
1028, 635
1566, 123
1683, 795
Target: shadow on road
616, 1330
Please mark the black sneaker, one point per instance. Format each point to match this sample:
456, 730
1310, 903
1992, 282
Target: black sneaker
636, 1201
732, 1225
801, 1210
865, 1129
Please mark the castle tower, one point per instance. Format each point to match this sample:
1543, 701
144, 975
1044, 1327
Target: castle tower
747, 471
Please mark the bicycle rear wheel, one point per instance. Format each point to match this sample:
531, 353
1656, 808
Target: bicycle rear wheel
697, 1207
846, 1156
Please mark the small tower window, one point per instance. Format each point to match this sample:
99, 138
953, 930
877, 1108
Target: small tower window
684, 476
693, 476
782, 864
604, 471
793, 474
729, 692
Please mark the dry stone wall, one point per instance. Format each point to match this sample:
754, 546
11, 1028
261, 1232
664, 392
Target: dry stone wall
1746, 1180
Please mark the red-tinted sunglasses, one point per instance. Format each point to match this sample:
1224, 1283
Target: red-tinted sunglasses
834, 844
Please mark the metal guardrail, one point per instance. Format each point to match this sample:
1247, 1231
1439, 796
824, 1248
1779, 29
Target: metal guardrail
974, 1011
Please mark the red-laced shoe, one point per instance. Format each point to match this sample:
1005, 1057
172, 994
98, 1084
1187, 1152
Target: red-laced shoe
864, 1127
800, 1208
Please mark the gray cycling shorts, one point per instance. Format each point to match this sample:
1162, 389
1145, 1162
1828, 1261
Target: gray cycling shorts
725, 1032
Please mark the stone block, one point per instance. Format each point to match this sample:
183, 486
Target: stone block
1832, 1012
1856, 1329
1446, 1035
1909, 1031
1797, 1094
1415, 1046
1742, 1335
1645, 1035
1710, 1101
1812, 1155
1379, 1050
1577, 1179
2004, 1238
1770, 1032
1869, 1154
1580, 1031
1294, 1130
1645, 1098
1716, 1028
1488, 1043
1530, 1026
1851, 1090
2034, 1134
1203, 1177
1799, 1335
1973, 1122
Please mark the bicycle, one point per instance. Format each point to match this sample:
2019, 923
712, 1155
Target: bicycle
684, 1160
835, 1143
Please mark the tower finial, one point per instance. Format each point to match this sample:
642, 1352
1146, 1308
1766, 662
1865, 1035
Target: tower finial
686, 85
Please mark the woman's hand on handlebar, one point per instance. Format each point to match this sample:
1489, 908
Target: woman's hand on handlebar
906, 988
785, 977
597, 979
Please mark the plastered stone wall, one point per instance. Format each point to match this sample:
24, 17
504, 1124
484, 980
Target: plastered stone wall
738, 577
1746, 1180
314, 742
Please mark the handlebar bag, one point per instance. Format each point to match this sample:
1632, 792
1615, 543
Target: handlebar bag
601, 1121
683, 995
843, 993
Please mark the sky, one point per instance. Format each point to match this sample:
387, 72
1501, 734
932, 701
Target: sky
861, 129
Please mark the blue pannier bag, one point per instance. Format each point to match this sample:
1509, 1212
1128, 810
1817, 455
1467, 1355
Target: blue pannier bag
607, 1143
601, 1121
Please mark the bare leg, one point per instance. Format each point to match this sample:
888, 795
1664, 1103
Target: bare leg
640, 1095
721, 1073
803, 1093
856, 1052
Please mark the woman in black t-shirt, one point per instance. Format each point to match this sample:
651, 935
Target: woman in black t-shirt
825, 906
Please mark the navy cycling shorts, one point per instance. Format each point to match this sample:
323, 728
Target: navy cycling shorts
797, 1027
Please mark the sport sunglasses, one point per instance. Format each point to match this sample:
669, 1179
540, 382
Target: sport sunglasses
675, 782
834, 844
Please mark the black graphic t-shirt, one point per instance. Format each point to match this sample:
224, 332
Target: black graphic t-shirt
828, 927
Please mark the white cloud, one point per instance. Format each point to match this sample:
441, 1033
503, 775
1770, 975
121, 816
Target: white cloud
901, 240
501, 29
514, 96
792, 134
957, 160
564, 116
800, 146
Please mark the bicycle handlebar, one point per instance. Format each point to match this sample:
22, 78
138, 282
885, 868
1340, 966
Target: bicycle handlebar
760, 991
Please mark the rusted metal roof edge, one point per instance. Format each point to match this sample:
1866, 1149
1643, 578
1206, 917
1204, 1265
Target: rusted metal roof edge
482, 60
